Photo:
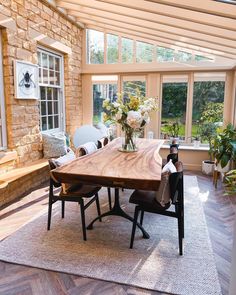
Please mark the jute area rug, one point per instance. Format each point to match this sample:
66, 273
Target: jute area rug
153, 264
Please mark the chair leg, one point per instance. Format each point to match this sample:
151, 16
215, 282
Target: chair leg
62, 209
141, 217
109, 197
83, 218
180, 234
136, 212
98, 207
49, 213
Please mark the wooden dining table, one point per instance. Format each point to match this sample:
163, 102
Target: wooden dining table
112, 168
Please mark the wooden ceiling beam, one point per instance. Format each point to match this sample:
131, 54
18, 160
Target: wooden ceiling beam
82, 6
177, 13
206, 6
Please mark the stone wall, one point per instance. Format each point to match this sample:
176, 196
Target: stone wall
25, 25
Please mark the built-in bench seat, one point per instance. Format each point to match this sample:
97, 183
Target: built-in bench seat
19, 181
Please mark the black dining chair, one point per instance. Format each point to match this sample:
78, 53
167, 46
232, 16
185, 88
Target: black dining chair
146, 202
72, 193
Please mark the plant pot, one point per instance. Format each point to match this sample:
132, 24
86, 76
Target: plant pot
225, 169
196, 144
208, 167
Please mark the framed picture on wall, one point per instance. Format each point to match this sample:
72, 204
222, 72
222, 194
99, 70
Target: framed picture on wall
26, 80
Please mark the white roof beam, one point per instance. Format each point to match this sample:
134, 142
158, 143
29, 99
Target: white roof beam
90, 19
80, 5
206, 6
177, 13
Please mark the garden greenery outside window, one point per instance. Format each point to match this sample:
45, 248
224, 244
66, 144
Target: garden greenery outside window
50, 91
103, 87
127, 46
208, 100
112, 49
174, 100
134, 84
95, 47
100, 44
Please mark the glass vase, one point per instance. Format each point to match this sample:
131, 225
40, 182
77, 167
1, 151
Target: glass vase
128, 142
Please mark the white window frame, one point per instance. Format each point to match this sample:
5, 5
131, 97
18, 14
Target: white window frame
61, 102
3, 132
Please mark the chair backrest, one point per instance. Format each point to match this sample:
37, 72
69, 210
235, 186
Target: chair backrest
176, 184
174, 157
52, 181
102, 142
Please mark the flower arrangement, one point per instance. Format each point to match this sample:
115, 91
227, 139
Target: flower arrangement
132, 113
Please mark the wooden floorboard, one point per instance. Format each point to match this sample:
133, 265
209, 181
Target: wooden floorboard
21, 280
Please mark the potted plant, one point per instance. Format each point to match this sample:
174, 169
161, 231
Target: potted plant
223, 148
173, 129
208, 132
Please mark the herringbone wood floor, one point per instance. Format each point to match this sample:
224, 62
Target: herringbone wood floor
22, 280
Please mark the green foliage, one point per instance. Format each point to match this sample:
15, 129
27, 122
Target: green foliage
212, 112
207, 132
174, 128
224, 145
230, 182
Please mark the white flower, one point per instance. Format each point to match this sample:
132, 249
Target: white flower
146, 117
116, 104
118, 115
134, 119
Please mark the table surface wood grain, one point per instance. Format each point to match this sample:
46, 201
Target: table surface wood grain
110, 167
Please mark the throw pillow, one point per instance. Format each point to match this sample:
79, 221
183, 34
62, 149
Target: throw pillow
169, 167
163, 194
54, 146
70, 156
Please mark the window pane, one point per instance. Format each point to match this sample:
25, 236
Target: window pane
165, 54
50, 122
45, 76
126, 50
144, 52
49, 108
57, 78
174, 98
56, 122
43, 108
45, 60
208, 100
49, 93
95, 47
55, 107
101, 92
112, 49
57, 64
42, 93
55, 94
183, 56
133, 87
51, 62
51, 77
201, 58
44, 123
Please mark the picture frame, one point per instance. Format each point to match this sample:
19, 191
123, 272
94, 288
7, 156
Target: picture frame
26, 80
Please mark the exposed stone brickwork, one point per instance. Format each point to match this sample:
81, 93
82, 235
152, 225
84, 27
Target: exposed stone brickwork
18, 44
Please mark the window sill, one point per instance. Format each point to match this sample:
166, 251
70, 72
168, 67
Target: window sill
187, 147
7, 156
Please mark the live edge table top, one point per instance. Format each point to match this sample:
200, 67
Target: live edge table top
110, 167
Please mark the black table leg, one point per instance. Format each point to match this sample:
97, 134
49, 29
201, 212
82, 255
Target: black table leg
118, 211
